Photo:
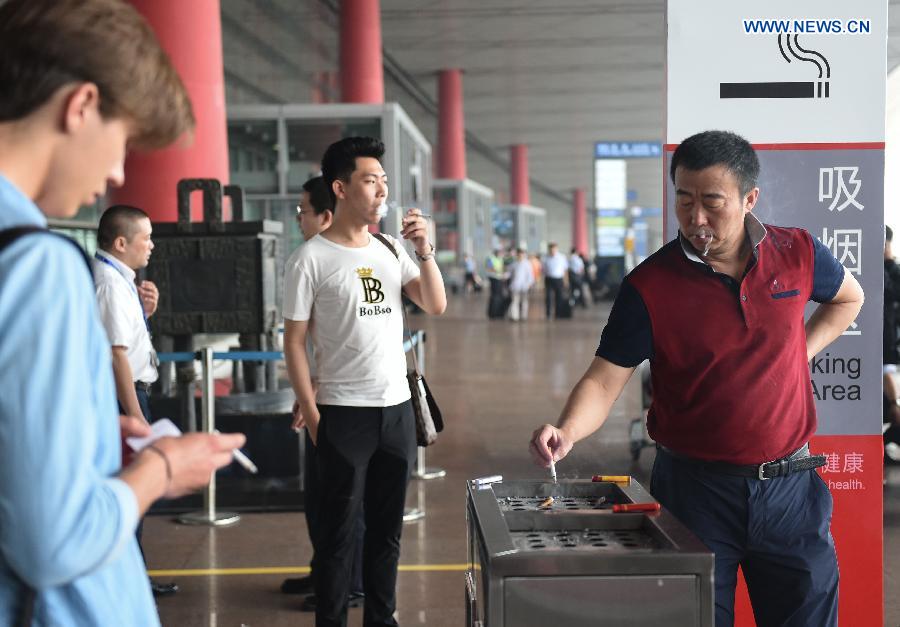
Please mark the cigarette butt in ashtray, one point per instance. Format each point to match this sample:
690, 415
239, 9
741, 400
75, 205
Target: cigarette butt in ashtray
626, 479
635, 507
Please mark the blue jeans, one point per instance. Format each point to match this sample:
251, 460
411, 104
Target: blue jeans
777, 531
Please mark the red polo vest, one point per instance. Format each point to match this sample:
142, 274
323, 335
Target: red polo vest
729, 371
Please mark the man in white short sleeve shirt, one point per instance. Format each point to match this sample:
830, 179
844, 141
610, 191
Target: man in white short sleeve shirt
124, 245
555, 267
344, 289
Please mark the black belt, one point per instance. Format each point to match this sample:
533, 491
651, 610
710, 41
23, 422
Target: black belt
795, 462
140, 385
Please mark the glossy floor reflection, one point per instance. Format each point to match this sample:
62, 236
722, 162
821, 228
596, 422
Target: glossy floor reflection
495, 381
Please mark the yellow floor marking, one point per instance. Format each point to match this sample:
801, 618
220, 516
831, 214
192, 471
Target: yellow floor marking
289, 570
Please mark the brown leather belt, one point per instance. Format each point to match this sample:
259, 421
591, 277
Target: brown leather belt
797, 461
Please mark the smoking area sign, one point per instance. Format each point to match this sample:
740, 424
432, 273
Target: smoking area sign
804, 82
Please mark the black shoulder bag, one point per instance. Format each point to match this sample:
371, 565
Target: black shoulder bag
429, 421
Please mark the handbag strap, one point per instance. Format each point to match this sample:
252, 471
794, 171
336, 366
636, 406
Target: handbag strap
381, 238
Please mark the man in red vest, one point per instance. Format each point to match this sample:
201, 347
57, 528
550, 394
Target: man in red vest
718, 311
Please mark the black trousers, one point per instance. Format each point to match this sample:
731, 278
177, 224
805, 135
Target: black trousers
553, 290
311, 511
365, 457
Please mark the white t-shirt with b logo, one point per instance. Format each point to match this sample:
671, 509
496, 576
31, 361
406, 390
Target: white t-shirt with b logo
351, 296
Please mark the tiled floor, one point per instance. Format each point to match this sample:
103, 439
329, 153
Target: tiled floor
496, 381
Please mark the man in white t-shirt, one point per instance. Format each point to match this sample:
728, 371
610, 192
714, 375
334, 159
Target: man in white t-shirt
521, 278
124, 246
344, 288
314, 214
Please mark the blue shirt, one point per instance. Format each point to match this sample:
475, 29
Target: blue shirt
66, 523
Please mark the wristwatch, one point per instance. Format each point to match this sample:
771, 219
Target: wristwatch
426, 256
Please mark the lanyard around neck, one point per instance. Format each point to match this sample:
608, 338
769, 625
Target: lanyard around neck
131, 284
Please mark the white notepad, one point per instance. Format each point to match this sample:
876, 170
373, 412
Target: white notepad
160, 429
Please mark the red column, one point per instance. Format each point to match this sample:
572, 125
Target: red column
579, 221
362, 68
191, 33
518, 188
362, 73
451, 126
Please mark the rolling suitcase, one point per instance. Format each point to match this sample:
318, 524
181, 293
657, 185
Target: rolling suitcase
498, 305
564, 307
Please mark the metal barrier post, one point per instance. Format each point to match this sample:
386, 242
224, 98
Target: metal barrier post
412, 514
209, 515
421, 471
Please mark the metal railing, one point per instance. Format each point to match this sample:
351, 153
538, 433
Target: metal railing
209, 515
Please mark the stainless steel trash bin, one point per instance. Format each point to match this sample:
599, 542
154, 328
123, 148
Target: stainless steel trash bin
578, 563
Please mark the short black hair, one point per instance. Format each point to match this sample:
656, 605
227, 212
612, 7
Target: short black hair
319, 197
118, 221
888, 233
725, 148
339, 160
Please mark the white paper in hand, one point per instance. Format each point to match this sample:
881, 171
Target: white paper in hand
160, 429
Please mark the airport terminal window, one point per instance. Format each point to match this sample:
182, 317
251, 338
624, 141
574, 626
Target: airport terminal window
446, 223
255, 209
278, 209
413, 172
505, 227
82, 227
479, 223
536, 227
285, 211
308, 139
253, 152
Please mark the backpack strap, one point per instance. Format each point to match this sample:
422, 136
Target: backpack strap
8, 236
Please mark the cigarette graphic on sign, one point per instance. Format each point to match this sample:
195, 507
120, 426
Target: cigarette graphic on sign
786, 89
